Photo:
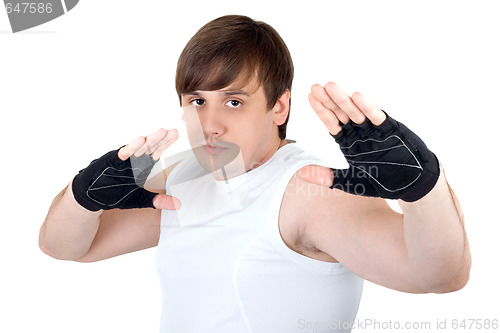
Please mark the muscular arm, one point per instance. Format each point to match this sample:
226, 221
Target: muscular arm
72, 232
436, 241
425, 249
422, 250
68, 229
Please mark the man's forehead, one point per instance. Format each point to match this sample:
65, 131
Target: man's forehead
225, 92
235, 88
244, 84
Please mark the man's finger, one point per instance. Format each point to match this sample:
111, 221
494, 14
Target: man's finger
166, 142
160, 149
163, 201
131, 148
344, 101
151, 142
373, 113
320, 94
326, 115
316, 174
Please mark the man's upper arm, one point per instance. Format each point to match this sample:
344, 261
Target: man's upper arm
124, 231
362, 233
129, 230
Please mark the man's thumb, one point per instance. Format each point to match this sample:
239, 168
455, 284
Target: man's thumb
163, 201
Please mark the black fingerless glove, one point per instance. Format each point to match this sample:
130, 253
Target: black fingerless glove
387, 161
108, 182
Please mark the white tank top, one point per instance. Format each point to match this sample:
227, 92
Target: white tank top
224, 268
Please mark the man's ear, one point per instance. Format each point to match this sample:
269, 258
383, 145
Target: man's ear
281, 108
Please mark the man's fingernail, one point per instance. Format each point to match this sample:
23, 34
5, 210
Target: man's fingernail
177, 203
155, 201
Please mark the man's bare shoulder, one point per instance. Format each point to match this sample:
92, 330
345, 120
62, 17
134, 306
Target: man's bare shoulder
308, 209
316, 200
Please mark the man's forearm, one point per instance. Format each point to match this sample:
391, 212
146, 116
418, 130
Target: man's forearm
69, 229
438, 251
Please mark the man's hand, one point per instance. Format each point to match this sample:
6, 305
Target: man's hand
116, 179
386, 159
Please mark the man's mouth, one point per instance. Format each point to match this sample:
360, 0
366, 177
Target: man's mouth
214, 155
215, 148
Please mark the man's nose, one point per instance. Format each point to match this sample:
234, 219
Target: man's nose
212, 122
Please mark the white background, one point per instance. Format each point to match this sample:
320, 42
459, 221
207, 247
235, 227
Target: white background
103, 74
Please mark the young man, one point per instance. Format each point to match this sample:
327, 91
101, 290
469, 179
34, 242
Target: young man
254, 234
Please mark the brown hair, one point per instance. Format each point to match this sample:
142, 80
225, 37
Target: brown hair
236, 47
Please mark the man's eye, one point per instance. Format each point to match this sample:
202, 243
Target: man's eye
198, 102
233, 103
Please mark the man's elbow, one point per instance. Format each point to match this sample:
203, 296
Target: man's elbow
42, 244
59, 255
53, 254
455, 283
49, 252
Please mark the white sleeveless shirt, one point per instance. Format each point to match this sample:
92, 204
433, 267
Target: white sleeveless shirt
224, 268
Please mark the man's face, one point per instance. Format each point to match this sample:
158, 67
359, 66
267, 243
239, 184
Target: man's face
231, 128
